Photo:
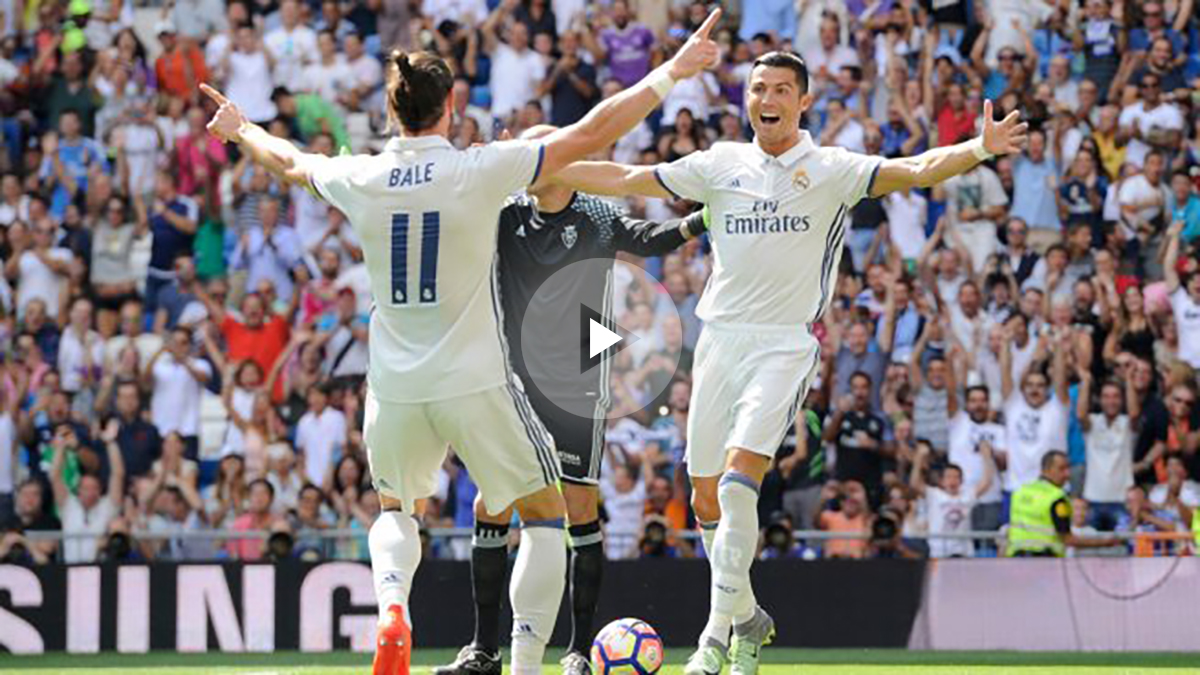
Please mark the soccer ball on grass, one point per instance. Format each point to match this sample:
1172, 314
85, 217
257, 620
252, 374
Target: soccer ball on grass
627, 647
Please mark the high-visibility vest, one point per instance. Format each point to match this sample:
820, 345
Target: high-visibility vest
1196, 527
1030, 524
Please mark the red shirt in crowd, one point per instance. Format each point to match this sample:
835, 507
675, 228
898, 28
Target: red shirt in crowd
262, 345
954, 127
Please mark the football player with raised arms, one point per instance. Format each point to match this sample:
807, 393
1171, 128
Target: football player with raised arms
778, 210
427, 215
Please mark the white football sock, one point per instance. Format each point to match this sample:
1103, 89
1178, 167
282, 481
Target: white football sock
395, 544
536, 592
735, 546
717, 628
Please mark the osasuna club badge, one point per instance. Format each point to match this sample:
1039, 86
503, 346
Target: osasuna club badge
569, 236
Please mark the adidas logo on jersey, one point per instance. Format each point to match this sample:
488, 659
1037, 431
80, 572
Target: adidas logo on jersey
735, 184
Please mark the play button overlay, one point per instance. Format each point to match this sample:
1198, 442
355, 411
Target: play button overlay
602, 341
598, 339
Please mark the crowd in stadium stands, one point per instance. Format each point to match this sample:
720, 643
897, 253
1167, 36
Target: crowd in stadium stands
183, 339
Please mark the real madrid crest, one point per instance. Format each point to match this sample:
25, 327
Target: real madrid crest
800, 179
569, 236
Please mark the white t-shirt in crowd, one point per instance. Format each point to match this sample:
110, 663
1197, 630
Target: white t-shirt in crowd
78, 520
328, 80
965, 435
1164, 117
8, 440
320, 438
1032, 432
37, 281
1187, 320
1138, 190
949, 514
71, 358
247, 85
515, 78
1109, 459
625, 511
906, 215
175, 401
292, 50
1189, 494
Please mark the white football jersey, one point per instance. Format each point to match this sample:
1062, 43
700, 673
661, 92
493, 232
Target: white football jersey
777, 225
427, 214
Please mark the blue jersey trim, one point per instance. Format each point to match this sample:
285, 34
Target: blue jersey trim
537, 170
659, 178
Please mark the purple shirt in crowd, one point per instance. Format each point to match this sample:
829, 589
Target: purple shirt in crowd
628, 52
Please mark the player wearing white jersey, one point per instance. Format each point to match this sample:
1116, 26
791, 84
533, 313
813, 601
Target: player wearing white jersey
779, 208
427, 216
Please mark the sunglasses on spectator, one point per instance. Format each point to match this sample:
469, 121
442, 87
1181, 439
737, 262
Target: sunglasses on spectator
1008, 57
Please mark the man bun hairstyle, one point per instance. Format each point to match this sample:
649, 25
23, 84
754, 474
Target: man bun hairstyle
417, 87
788, 60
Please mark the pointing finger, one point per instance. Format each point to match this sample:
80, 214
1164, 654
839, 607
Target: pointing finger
987, 110
1011, 118
214, 94
708, 24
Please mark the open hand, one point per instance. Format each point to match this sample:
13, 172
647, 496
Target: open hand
699, 52
228, 121
1006, 136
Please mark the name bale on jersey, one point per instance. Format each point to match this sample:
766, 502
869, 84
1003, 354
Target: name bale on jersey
410, 176
764, 218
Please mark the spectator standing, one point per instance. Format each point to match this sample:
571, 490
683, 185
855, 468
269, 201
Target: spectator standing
625, 47
176, 380
970, 430
292, 45
80, 352
853, 355
975, 205
246, 64
259, 516
328, 76
1150, 123
180, 69
68, 157
1185, 299
138, 440
949, 506
1108, 438
39, 269
257, 335
173, 219
860, 434
1035, 177
268, 252
850, 517
517, 70
320, 436
1035, 417
571, 84
85, 515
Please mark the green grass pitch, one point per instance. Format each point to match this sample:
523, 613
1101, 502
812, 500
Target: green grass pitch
777, 662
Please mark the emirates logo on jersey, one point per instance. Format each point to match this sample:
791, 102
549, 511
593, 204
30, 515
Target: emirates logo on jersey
569, 236
800, 179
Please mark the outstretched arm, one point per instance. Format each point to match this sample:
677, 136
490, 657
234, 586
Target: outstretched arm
609, 178
647, 238
275, 154
934, 166
618, 115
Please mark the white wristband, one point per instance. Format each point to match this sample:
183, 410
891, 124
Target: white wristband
981, 153
661, 82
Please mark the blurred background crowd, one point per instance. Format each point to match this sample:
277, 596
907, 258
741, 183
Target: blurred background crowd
184, 343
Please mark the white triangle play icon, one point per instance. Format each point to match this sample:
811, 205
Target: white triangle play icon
600, 338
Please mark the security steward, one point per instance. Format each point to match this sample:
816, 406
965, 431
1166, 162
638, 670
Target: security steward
1039, 520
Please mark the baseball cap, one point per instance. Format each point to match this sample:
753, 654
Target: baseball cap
79, 7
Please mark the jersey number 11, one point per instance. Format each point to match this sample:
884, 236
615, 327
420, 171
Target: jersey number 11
431, 227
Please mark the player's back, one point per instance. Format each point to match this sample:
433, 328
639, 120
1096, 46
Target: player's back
426, 214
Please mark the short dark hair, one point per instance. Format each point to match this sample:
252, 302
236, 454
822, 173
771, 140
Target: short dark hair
952, 467
263, 482
417, 87
978, 387
1049, 457
786, 60
862, 374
